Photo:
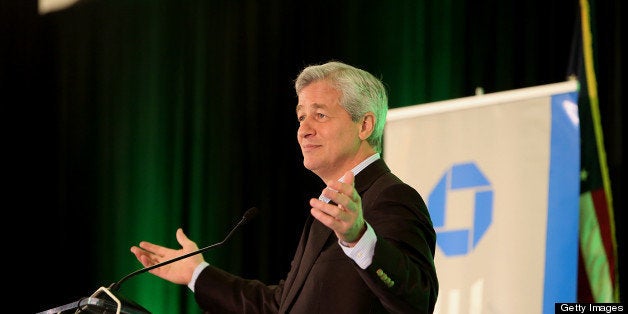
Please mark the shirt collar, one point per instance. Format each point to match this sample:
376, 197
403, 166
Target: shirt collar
363, 164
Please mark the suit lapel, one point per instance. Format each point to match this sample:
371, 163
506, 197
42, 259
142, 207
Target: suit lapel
369, 175
315, 241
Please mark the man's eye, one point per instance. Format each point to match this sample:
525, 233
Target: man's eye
300, 118
321, 115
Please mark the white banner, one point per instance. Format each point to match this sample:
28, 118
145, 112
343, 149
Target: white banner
500, 174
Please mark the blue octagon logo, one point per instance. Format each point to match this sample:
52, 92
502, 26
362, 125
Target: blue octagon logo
461, 180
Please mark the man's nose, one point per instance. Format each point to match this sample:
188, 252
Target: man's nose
305, 128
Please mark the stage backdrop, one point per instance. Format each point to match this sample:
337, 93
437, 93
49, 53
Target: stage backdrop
500, 175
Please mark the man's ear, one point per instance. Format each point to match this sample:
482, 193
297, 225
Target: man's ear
367, 126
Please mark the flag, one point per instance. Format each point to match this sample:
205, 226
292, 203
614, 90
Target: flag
598, 276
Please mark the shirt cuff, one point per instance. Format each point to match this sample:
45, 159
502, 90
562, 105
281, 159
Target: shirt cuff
363, 251
195, 274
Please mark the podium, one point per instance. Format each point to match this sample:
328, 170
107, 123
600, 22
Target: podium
103, 301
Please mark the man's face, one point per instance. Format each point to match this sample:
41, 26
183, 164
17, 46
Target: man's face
328, 138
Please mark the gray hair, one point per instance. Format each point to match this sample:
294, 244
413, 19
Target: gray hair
360, 91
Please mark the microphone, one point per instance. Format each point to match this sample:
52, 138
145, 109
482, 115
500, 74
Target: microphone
248, 215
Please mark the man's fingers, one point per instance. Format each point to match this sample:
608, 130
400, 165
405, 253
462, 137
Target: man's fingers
336, 190
329, 212
151, 248
145, 257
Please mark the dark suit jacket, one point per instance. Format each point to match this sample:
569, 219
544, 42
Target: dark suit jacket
323, 279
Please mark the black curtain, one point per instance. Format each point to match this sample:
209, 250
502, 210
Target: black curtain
137, 117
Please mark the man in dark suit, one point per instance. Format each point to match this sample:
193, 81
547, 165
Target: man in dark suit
368, 246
